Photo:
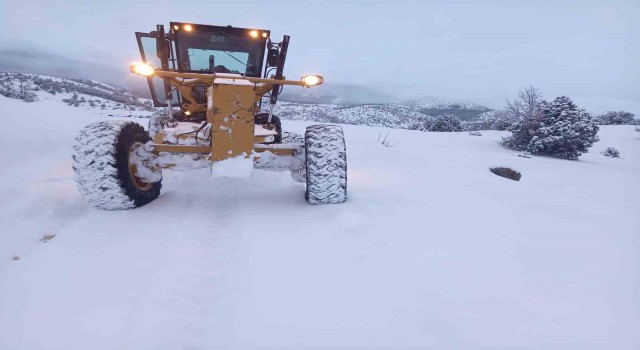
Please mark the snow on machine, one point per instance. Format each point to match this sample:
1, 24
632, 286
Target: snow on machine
212, 80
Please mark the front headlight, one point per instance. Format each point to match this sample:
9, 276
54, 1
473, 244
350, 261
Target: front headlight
143, 69
311, 80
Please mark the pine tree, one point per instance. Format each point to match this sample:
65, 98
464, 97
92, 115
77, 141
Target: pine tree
559, 129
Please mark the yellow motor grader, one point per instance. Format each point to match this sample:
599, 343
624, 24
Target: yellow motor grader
213, 81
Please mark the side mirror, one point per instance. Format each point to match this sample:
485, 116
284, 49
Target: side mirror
273, 56
162, 46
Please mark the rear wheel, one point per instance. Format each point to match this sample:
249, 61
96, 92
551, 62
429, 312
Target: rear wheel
103, 171
326, 164
263, 118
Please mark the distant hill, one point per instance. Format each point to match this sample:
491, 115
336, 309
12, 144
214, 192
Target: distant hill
338, 94
83, 93
392, 115
97, 95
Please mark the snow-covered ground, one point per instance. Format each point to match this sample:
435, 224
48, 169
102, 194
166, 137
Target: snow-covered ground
431, 251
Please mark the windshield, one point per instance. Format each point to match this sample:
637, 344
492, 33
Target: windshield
231, 53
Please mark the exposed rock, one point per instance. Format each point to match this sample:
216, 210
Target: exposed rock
507, 172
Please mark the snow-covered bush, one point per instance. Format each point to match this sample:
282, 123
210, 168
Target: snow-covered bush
475, 133
559, 129
500, 120
445, 123
611, 152
18, 86
617, 118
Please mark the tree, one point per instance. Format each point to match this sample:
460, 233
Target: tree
525, 105
559, 129
617, 118
445, 123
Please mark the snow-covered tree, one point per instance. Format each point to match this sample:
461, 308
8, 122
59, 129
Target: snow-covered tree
445, 123
617, 118
559, 129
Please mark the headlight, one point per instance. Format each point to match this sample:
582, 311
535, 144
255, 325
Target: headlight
143, 69
311, 80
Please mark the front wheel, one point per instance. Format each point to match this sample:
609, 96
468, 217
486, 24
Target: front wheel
263, 118
326, 164
103, 171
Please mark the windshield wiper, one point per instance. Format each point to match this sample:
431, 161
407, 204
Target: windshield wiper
232, 56
238, 45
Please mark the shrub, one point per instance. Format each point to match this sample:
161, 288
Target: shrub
475, 133
446, 123
559, 129
611, 152
617, 118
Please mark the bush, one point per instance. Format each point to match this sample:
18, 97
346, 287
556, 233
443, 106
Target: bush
559, 129
611, 152
445, 123
475, 133
617, 118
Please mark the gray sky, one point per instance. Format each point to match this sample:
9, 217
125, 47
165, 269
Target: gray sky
482, 51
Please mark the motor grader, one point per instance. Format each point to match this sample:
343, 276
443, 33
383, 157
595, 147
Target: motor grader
219, 86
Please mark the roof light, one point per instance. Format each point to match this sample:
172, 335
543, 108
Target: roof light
264, 34
187, 27
176, 27
253, 33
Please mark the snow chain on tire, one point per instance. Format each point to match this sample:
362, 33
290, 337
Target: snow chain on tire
101, 166
326, 164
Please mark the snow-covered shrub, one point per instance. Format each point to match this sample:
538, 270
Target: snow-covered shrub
497, 120
617, 118
638, 128
446, 123
475, 133
559, 129
18, 86
611, 152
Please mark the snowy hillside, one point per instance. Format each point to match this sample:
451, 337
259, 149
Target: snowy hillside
430, 251
95, 95
393, 115
86, 94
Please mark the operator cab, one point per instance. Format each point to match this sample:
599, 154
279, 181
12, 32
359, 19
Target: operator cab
197, 48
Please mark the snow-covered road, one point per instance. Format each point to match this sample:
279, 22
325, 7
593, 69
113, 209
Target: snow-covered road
431, 250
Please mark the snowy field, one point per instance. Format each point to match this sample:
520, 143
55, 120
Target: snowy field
431, 250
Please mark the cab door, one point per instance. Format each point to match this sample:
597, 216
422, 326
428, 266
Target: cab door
148, 52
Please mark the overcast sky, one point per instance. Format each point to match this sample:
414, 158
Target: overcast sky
482, 51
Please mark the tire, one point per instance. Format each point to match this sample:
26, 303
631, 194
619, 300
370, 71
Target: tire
292, 137
101, 166
263, 118
326, 164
